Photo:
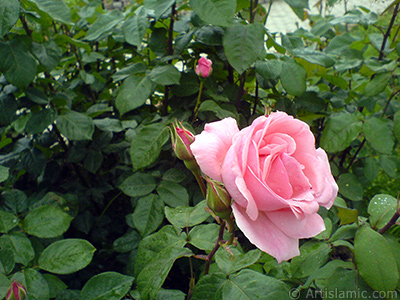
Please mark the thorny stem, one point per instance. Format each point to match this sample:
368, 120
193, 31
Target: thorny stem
385, 37
216, 247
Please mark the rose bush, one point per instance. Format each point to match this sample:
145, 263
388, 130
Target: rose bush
276, 177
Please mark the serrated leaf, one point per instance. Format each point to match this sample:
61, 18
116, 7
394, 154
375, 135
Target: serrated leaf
75, 126
184, 216
165, 75
106, 286
215, 12
146, 145
269, 69
340, 130
9, 13
204, 236
173, 193
350, 187
374, 259
148, 214
17, 63
20, 245
139, 184
103, 24
293, 78
243, 45
66, 256
230, 265
377, 84
133, 93
379, 134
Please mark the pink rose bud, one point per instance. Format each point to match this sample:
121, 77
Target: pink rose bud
181, 140
16, 291
204, 68
218, 199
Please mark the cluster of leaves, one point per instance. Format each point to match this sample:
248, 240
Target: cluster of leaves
86, 96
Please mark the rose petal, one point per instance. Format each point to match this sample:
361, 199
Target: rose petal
277, 178
306, 227
211, 146
265, 235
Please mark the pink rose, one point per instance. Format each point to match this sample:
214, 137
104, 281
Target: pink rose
276, 177
204, 68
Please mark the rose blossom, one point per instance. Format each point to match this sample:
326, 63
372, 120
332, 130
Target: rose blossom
204, 68
276, 177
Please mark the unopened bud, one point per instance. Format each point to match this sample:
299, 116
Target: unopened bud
218, 199
181, 140
16, 291
203, 68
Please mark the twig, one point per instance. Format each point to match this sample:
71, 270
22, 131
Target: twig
385, 37
216, 247
391, 222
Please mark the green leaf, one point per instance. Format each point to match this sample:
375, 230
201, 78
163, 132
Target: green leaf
230, 265
170, 295
156, 255
156, 8
314, 56
20, 245
173, 193
4, 173
165, 75
66, 256
93, 160
129, 70
8, 108
298, 6
210, 287
57, 9
47, 221
204, 236
184, 216
106, 286
347, 215
269, 69
188, 85
135, 28
127, 242
139, 184
313, 255
55, 284
5, 284
390, 164
146, 145
374, 259
148, 214
211, 105
243, 45
15, 200
75, 126
215, 12
108, 124
293, 77
39, 121
9, 13
340, 130
379, 134
48, 53
36, 286
377, 84
7, 262
350, 187
8, 221
134, 92
381, 209
396, 127
104, 24
17, 63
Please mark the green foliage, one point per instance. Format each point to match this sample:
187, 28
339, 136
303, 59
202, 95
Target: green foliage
93, 203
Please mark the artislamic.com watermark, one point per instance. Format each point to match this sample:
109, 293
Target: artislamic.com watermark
340, 294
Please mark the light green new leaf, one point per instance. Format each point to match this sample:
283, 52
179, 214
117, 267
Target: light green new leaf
133, 93
340, 130
374, 259
106, 286
184, 216
17, 63
215, 12
243, 45
379, 134
146, 145
57, 9
20, 245
293, 77
148, 214
103, 24
75, 126
9, 13
66, 256
381, 209
139, 184
165, 75
47, 221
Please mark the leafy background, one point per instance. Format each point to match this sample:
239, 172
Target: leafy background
93, 203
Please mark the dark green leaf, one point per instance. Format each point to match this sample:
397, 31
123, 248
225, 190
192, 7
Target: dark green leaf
8, 221
377, 84
173, 194
39, 121
17, 63
9, 13
20, 245
184, 216
243, 45
375, 260
8, 108
298, 6
156, 8
129, 70
135, 29
4, 173
381, 209
314, 57
230, 265
215, 12
204, 236
106, 286
66, 256
396, 127
293, 78
210, 287
75, 126
148, 214
133, 93
350, 187
55, 284
165, 75
48, 53
93, 160
379, 134
210, 105
269, 69
139, 184
127, 242
57, 9
7, 262
104, 24
36, 286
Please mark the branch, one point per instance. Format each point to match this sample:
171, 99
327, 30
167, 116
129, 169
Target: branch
385, 37
391, 222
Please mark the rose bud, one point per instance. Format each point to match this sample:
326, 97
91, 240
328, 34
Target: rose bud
218, 199
204, 68
16, 291
181, 140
